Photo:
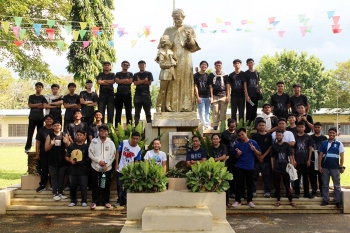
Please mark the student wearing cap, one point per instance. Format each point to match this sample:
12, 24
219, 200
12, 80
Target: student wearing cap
124, 80
88, 100
142, 99
106, 80
298, 98
270, 120
306, 118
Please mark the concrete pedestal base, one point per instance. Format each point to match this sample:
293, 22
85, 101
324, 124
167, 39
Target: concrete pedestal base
346, 201
5, 198
177, 184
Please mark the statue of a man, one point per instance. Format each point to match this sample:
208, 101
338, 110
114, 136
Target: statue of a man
180, 90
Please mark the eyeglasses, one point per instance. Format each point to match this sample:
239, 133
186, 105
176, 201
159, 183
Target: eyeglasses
126, 65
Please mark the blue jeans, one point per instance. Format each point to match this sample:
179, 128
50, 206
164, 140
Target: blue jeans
121, 190
203, 111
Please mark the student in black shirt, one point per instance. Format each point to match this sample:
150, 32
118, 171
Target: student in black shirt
262, 163
302, 154
292, 123
218, 150
41, 154
54, 103
71, 102
280, 102
304, 117
281, 154
73, 128
297, 99
314, 174
88, 100
124, 80
93, 129
78, 159
142, 98
252, 90
106, 80
236, 80
36, 104
196, 154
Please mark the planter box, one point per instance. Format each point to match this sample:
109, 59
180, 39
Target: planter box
177, 184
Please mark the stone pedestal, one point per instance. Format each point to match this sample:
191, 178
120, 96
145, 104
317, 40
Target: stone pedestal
175, 119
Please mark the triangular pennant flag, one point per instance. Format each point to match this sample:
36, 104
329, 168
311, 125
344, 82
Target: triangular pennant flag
120, 33
202, 30
99, 33
152, 40
218, 20
271, 20
194, 27
68, 29
60, 44
83, 25
309, 28
247, 30
18, 21
303, 30
305, 21
227, 23
239, 29
18, 43
139, 34
204, 25
133, 43
250, 22
37, 28
336, 19
270, 29
223, 31
335, 31
275, 23
21, 33
301, 17
111, 43
95, 30
50, 22
115, 25
330, 14
16, 31
244, 22
213, 31
148, 29
5, 26
145, 32
82, 34
75, 35
85, 44
50, 32
281, 33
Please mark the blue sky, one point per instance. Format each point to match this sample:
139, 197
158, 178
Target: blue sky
133, 15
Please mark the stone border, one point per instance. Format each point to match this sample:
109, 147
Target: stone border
5, 198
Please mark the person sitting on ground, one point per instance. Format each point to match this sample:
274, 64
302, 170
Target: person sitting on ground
197, 153
281, 154
156, 154
268, 117
78, 159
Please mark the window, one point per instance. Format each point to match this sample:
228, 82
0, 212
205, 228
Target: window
18, 130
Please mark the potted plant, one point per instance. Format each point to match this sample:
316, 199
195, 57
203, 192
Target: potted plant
209, 176
177, 177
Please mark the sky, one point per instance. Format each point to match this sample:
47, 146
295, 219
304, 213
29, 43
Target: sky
134, 15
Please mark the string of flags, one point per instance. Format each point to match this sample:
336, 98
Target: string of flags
96, 31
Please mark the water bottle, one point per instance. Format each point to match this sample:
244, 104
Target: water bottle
251, 102
103, 181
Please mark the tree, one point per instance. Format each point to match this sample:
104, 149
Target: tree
291, 67
154, 89
27, 60
87, 63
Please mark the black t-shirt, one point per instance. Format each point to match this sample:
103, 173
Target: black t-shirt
301, 146
316, 142
295, 101
293, 130
310, 120
36, 114
229, 140
79, 168
218, 84
280, 154
143, 89
88, 111
72, 129
41, 137
70, 99
93, 130
106, 89
196, 155
279, 103
201, 81
252, 80
58, 151
56, 112
264, 141
218, 152
236, 81
124, 89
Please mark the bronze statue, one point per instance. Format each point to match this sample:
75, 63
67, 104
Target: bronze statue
178, 93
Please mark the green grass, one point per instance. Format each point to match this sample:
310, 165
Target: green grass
13, 164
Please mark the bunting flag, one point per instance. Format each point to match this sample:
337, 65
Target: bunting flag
301, 17
114, 25
147, 31
336, 19
16, 31
250, 22
18, 43
281, 33
95, 30
204, 25
37, 28
194, 27
275, 23
218, 20
120, 33
330, 14
305, 21
303, 30
244, 22
111, 43
5, 26
60, 44
21, 33
50, 22
82, 34
68, 29
83, 25
227, 23
308, 29
336, 29
18, 21
202, 30
152, 40
247, 31
133, 43
85, 44
239, 29
270, 29
271, 20
139, 34
213, 31
75, 35
99, 33
50, 32
223, 31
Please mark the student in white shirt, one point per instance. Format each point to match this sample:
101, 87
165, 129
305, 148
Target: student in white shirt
156, 154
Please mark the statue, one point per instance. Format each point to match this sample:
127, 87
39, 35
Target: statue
178, 93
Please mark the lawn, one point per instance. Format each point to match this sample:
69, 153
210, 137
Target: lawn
13, 164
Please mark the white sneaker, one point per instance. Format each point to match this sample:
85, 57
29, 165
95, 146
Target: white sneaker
56, 198
62, 197
251, 204
83, 204
236, 204
71, 204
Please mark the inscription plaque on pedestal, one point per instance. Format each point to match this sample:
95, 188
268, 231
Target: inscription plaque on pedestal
177, 147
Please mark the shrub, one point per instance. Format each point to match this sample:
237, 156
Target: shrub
176, 173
